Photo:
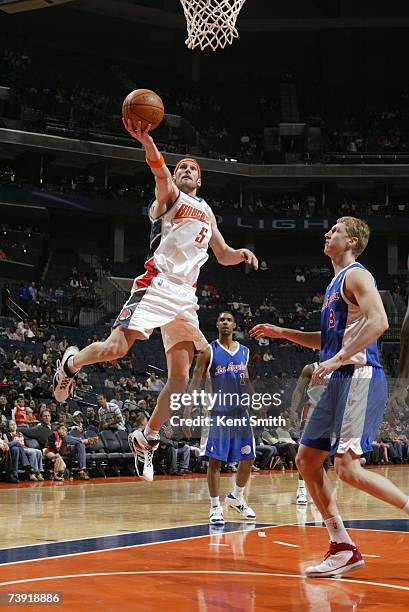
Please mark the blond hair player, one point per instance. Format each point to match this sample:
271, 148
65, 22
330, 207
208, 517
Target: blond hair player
348, 415
183, 226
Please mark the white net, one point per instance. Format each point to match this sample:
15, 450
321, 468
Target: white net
211, 23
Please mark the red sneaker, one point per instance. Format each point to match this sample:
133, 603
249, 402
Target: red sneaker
340, 559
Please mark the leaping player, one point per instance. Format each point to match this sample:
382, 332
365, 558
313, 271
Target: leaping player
224, 362
347, 418
182, 228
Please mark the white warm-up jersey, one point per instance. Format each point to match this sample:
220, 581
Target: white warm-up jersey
179, 242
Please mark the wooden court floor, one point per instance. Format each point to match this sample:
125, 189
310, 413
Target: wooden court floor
123, 544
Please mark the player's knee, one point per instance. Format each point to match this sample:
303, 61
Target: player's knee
177, 383
301, 463
347, 473
214, 465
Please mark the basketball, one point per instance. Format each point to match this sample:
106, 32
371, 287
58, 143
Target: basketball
145, 106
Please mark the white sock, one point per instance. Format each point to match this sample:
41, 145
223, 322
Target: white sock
301, 485
70, 365
214, 501
406, 507
238, 492
151, 433
337, 531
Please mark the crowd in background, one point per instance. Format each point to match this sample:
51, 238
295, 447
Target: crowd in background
305, 205
244, 136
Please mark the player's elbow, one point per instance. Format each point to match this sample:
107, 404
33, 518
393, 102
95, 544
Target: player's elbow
383, 324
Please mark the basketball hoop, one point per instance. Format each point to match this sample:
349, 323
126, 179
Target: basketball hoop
211, 23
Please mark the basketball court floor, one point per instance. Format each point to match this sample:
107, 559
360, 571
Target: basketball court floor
123, 544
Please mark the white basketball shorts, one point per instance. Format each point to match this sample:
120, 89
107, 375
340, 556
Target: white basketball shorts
168, 305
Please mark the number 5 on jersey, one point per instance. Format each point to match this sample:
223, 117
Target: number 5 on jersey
331, 318
201, 235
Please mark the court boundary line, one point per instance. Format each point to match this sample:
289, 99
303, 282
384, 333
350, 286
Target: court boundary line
207, 572
112, 535
208, 535
103, 550
108, 535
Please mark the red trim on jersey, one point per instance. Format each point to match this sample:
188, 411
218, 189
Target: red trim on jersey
144, 280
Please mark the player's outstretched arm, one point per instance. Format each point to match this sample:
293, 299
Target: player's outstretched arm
166, 191
299, 390
226, 255
308, 339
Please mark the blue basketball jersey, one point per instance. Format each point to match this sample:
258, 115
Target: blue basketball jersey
341, 320
227, 371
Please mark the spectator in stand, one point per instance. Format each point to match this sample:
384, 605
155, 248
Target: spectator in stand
59, 294
166, 454
15, 458
41, 431
20, 412
129, 427
77, 421
32, 290
61, 420
37, 367
133, 385
63, 344
3, 418
118, 398
130, 403
53, 448
18, 362
23, 295
34, 455
52, 344
30, 418
109, 382
90, 421
154, 383
317, 299
109, 415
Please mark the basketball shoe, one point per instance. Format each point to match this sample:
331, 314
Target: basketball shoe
301, 499
64, 381
241, 506
143, 450
216, 515
340, 559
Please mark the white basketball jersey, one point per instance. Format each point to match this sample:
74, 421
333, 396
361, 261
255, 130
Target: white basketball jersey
179, 242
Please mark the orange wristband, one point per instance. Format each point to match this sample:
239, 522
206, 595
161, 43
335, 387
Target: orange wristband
157, 163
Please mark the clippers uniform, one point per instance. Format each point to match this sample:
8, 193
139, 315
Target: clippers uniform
228, 373
349, 412
165, 295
